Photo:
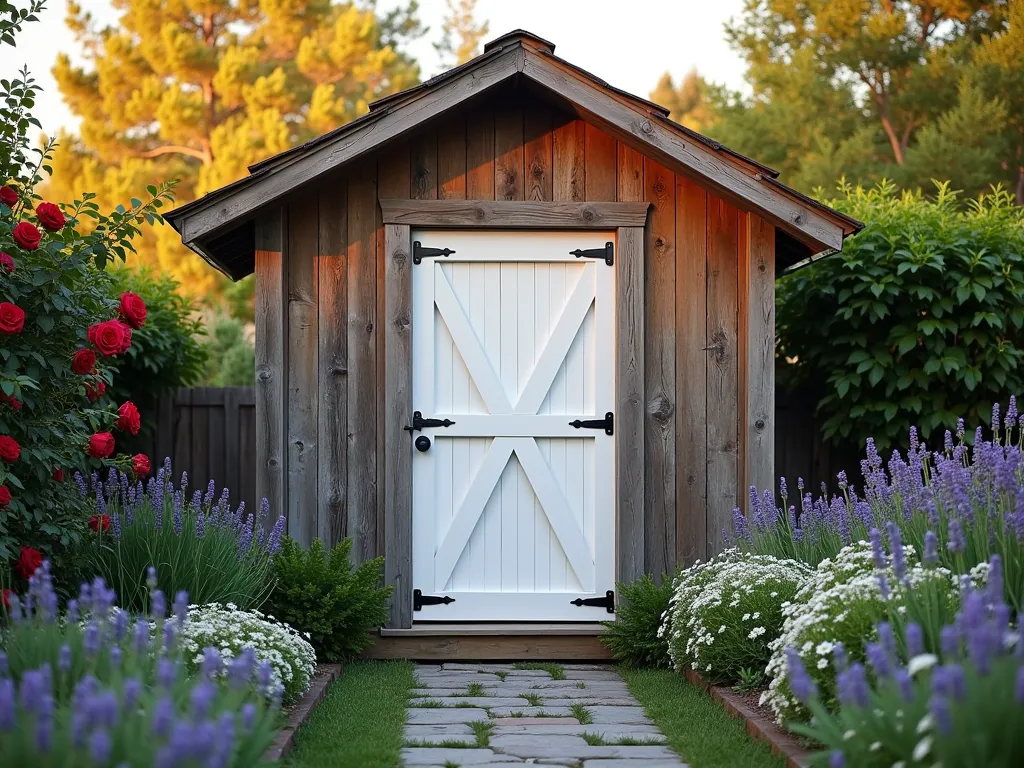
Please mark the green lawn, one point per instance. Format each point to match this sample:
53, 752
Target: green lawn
359, 724
696, 727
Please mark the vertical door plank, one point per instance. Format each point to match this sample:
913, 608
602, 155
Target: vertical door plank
397, 394
539, 149
759, 437
630, 401
600, 155
722, 414
480, 155
451, 160
332, 366
362, 361
423, 183
630, 183
570, 161
303, 377
508, 153
271, 322
691, 372
660, 369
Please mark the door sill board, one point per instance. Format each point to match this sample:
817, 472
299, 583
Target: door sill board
495, 630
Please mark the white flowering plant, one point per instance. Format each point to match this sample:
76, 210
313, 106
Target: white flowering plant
292, 659
841, 605
723, 614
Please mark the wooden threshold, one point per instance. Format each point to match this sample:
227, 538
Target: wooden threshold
491, 642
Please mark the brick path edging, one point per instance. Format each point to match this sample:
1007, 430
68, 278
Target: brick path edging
757, 725
285, 739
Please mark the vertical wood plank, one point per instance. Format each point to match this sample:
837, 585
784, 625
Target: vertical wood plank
508, 153
630, 407
164, 443
691, 372
759, 437
480, 155
270, 359
660, 369
362, 377
303, 400
630, 183
181, 456
398, 412
600, 158
332, 366
232, 446
539, 149
451, 160
722, 413
423, 183
569, 142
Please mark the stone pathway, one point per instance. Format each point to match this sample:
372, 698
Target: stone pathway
500, 714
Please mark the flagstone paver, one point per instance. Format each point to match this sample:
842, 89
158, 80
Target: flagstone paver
506, 716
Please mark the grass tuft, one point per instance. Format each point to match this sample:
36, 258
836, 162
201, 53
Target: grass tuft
594, 739
501, 675
359, 724
581, 684
465, 705
532, 699
427, 704
447, 744
581, 713
473, 689
697, 728
557, 671
482, 731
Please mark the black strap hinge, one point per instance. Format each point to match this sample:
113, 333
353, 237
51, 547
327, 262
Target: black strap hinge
418, 423
607, 423
607, 602
607, 253
419, 252
419, 600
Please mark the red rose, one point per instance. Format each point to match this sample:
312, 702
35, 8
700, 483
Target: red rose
26, 235
94, 391
100, 521
7, 594
9, 449
101, 445
140, 464
128, 418
50, 217
28, 562
109, 337
58, 475
5, 496
12, 401
12, 318
8, 196
6, 263
83, 362
132, 309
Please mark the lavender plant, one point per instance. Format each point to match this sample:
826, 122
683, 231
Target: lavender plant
962, 705
196, 542
95, 688
970, 498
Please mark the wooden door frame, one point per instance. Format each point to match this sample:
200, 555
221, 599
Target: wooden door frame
399, 217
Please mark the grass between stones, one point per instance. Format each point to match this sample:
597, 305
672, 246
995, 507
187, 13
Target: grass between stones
597, 740
533, 699
474, 689
500, 675
581, 713
695, 726
482, 731
359, 724
557, 671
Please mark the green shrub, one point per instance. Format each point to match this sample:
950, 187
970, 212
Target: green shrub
232, 356
916, 322
166, 352
633, 637
319, 592
725, 614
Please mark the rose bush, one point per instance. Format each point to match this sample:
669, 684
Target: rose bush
62, 328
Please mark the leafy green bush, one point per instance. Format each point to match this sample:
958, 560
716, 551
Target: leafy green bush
633, 637
321, 593
232, 357
917, 322
725, 614
166, 352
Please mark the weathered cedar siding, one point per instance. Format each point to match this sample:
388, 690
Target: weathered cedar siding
708, 325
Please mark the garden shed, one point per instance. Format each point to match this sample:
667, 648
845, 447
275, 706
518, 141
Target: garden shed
514, 332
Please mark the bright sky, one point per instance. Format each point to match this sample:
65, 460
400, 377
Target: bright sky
629, 43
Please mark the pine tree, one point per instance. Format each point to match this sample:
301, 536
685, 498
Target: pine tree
199, 89
460, 34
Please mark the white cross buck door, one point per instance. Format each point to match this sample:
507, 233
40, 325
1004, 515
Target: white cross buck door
513, 507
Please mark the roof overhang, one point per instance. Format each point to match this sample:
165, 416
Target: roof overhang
219, 225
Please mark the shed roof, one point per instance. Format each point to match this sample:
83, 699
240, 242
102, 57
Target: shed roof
219, 225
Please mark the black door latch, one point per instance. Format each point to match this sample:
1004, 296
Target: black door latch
607, 602
607, 253
418, 423
419, 600
420, 252
607, 423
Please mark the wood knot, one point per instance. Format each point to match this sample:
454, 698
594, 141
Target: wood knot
798, 218
369, 327
403, 321
537, 170
759, 424
400, 257
263, 373
588, 214
762, 267
479, 213
510, 177
691, 479
660, 409
659, 187
659, 242
646, 127
273, 463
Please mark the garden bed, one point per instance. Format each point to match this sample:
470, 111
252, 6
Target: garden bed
758, 724
299, 713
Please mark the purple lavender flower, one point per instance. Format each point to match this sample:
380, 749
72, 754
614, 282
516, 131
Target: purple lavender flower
852, 686
915, 639
181, 608
904, 684
140, 637
960, 429
1011, 413
80, 484
878, 659
169, 635
115, 656
211, 489
899, 562
949, 642
947, 442
839, 655
799, 681
739, 521
956, 543
163, 717
238, 520
931, 548
274, 543
211, 662
91, 638
995, 419
248, 715
201, 698
151, 578
179, 501
240, 668
836, 759
115, 520
184, 481
64, 659
877, 549
245, 539
166, 673
159, 605
939, 708
131, 690
7, 705
200, 525
994, 584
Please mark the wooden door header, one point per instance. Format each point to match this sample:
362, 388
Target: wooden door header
514, 214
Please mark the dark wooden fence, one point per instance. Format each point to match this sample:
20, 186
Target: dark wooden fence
209, 433
800, 451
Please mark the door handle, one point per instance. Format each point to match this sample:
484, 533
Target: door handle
422, 443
